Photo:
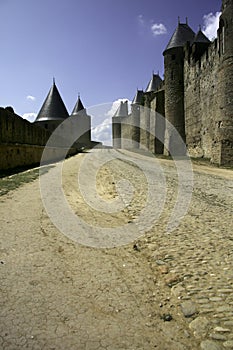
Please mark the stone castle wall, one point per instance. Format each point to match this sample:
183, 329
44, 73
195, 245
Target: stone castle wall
197, 99
22, 143
202, 89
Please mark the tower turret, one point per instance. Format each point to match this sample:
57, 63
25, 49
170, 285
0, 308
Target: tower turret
137, 102
118, 117
174, 82
224, 124
81, 122
53, 111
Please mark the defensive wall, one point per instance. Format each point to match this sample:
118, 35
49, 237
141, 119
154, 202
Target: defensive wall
196, 97
22, 143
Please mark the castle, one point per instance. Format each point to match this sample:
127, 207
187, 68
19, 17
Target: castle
196, 97
22, 143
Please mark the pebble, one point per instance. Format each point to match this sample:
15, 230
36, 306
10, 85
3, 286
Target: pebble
210, 345
221, 329
228, 344
225, 290
177, 290
172, 279
160, 262
200, 326
215, 299
188, 308
163, 269
217, 336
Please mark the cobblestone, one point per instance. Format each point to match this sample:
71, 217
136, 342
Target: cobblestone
57, 294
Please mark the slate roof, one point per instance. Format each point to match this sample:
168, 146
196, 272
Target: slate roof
53, 107
122, 110
181, 35
78, 106
154, 83
201, 38
138, 98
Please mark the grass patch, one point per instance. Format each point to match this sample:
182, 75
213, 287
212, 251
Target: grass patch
10, 183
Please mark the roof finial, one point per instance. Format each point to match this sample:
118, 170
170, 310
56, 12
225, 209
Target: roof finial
178, 19
53, 81
199, 27
186, 20
78, 94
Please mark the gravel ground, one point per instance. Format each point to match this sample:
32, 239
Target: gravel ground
165, 290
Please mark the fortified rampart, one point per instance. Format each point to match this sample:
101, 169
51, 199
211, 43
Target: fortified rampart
22, 143
196, 97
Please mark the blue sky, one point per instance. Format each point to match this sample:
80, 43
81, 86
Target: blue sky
104, 49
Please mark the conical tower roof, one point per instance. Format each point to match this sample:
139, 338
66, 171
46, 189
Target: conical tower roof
53, 107
181, 35
122, 110
154, 83
138, 98
201, 38
78, 106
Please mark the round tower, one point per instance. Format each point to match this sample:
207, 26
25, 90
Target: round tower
174, 83
136, 110
224, 124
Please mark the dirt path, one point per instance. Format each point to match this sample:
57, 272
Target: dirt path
162, 291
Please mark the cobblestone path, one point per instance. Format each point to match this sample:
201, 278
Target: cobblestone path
165, 291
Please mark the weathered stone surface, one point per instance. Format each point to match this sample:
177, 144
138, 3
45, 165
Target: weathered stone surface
188, 308
200, 326
177, 290
221, 329
210, 345
228, 344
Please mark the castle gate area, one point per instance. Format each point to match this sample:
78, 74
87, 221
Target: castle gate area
166, 289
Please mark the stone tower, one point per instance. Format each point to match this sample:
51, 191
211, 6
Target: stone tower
117, 119
53, 111
224, 126
136, 116
81, 124
174, 84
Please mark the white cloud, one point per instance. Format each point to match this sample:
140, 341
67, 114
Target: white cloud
150, 26
158, 29
29, 116
103, 131
211, 24
30, 98
115, 106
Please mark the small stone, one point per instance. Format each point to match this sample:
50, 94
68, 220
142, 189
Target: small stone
221, 329
167, 317
160, 262
215, 299
163, 269
210, 345
224, 309
188, 308
60, 249
225, 290
136, 247
217, 336
200, 326
172, 279
228, 344
177, 290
